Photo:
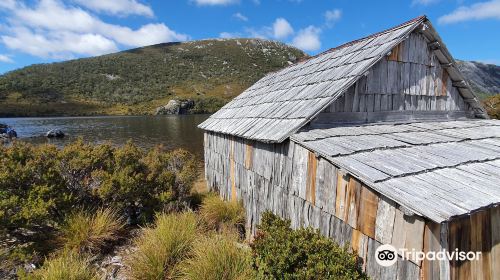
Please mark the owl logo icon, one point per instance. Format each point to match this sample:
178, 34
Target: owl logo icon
386, 255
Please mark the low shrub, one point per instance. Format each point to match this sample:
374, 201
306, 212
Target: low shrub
91, 232
68, 266
282, 253
217, 257
217, 213
41, 185
162, 247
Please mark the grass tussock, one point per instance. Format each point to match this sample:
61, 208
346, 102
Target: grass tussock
217, 214
68, 266
217, 257
91, 232
161, 247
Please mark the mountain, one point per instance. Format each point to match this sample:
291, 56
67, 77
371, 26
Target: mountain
483, 78
211, 72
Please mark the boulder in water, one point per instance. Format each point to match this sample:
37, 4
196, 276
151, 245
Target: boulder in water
175, 107
55, 133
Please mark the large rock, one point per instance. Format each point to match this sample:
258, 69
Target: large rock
55, 133
175, 107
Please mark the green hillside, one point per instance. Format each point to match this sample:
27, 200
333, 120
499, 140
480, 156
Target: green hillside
137, 81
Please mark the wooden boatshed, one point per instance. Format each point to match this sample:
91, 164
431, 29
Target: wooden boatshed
377, 141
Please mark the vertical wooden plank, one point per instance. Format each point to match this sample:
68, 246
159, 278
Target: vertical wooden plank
444, 265
394, 54
354, 197
444, 80
354, 242
367, 211
495, 241
311, 178
384, 225
349, 99
432, 237
414, 234
399, 232
299, 171
481, 242
407, 270
460, 238
355, 100
341, 203
232, 172
321, 192
248, 155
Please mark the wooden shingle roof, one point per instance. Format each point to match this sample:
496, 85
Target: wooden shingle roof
284, 101
438, 170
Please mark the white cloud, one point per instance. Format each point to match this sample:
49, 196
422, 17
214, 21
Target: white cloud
478, 11
282, 28
117, 7
307, 39
8, 4
215, 2
332, 16
50, 28
228, 35
240, 16
5, 58
58, 44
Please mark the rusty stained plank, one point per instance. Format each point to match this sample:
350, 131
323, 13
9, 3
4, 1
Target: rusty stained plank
312, 165
495, 242
248, 155
481, 242
341, 193
354, 188
460, 238
395, 53
367, 215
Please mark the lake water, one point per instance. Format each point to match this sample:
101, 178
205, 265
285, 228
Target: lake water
145, 131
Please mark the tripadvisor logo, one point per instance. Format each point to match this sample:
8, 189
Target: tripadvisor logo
386, 255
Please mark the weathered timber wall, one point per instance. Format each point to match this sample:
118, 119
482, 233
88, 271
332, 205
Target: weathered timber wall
410, 79
479, 232
295, 184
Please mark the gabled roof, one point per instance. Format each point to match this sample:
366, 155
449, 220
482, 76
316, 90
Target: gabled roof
439, 170
284, 101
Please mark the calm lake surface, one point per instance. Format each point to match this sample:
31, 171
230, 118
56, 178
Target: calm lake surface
145, 131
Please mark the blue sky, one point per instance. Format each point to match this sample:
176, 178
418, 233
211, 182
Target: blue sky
42, 31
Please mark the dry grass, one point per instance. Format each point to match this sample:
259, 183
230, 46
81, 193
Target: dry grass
161, 247
91, 232
218, 214
68, 266
217, 257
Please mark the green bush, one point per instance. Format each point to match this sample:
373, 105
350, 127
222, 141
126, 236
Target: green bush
162, 247
69, 266
217, 257
40, 185
217, 213
282, 253
85, 232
